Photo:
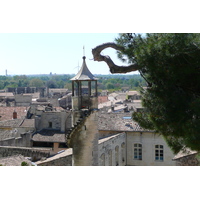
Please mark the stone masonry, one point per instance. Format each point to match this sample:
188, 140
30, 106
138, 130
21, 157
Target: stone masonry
35, 154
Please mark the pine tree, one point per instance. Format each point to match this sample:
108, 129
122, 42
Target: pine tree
170, 64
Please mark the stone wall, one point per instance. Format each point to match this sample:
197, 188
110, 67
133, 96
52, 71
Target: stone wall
34, 153
62, 159
112, 150
83, 138
24, 140
85, 101
189, 160
23, 100
24, 90
53, 120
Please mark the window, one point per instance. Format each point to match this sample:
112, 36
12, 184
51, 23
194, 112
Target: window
159, 153
138, 151
117, 155
126, 117
110, 157
102, 161
123, 152
50, 124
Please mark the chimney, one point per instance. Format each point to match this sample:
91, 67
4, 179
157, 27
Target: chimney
14, 115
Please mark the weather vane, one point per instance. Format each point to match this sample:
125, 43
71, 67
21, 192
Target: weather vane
83, 50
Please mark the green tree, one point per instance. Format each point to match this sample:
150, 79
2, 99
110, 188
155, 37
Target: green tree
1, 85
36, 82
68, 86
170, 64
51, 84
109, 86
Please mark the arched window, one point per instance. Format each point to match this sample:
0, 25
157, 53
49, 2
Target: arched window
123, 152
110, 157
138, 151
159, 152
117, 155
102, 159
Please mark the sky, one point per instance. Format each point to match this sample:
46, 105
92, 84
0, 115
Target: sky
43, 36
58, 53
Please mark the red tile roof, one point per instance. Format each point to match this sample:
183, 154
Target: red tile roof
6, 113
49, 136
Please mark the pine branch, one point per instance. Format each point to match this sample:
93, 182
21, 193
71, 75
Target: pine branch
113, 67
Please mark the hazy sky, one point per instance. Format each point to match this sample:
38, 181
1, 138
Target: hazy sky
44, 36
60, 53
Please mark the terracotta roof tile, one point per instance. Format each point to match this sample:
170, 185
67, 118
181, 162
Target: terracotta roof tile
6, 134
6, 113
11, 123
184, 153
28, 123
118, 122
49, 136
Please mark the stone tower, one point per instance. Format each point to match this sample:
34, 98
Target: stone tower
83, 137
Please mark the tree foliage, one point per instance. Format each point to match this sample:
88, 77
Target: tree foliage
36, 82
170, 64
118, 82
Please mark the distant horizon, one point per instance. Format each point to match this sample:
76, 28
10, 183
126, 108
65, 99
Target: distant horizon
136, 73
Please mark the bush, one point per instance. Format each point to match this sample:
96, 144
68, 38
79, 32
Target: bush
24, 163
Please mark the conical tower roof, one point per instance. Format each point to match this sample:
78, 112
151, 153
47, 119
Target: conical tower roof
84, 73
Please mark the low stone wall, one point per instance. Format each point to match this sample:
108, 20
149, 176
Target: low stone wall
189, 160
34, 153
61, 159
